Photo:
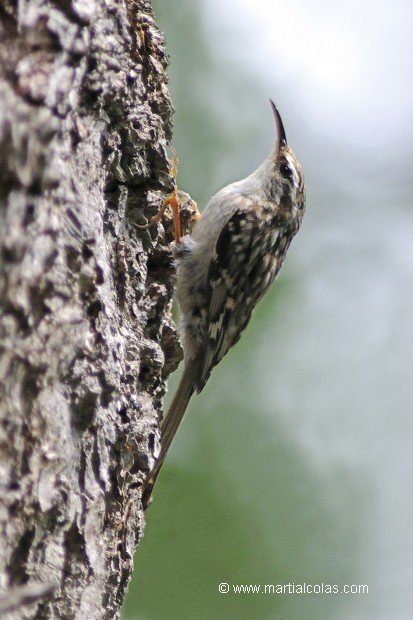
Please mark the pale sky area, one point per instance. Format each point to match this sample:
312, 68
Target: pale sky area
349, 62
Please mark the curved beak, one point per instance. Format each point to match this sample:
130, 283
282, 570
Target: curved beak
282, 138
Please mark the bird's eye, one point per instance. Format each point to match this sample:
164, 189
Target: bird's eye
286, 171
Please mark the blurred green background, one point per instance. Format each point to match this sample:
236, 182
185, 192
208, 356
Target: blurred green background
295, 464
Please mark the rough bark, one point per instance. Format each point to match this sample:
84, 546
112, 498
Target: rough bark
86, 336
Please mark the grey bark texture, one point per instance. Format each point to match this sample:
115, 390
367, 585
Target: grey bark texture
86, 335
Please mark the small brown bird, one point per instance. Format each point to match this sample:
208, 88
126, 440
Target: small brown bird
226, 266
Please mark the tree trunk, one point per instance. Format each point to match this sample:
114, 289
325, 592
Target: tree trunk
86, 336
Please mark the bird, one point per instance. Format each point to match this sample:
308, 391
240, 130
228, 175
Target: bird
226, 265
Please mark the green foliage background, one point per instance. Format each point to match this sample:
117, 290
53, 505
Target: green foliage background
279, 473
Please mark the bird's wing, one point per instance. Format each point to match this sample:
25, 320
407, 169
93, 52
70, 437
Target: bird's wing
244, 263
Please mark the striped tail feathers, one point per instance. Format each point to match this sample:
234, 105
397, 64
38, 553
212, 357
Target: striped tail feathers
170, 425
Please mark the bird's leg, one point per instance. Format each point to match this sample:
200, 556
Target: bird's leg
172, 200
